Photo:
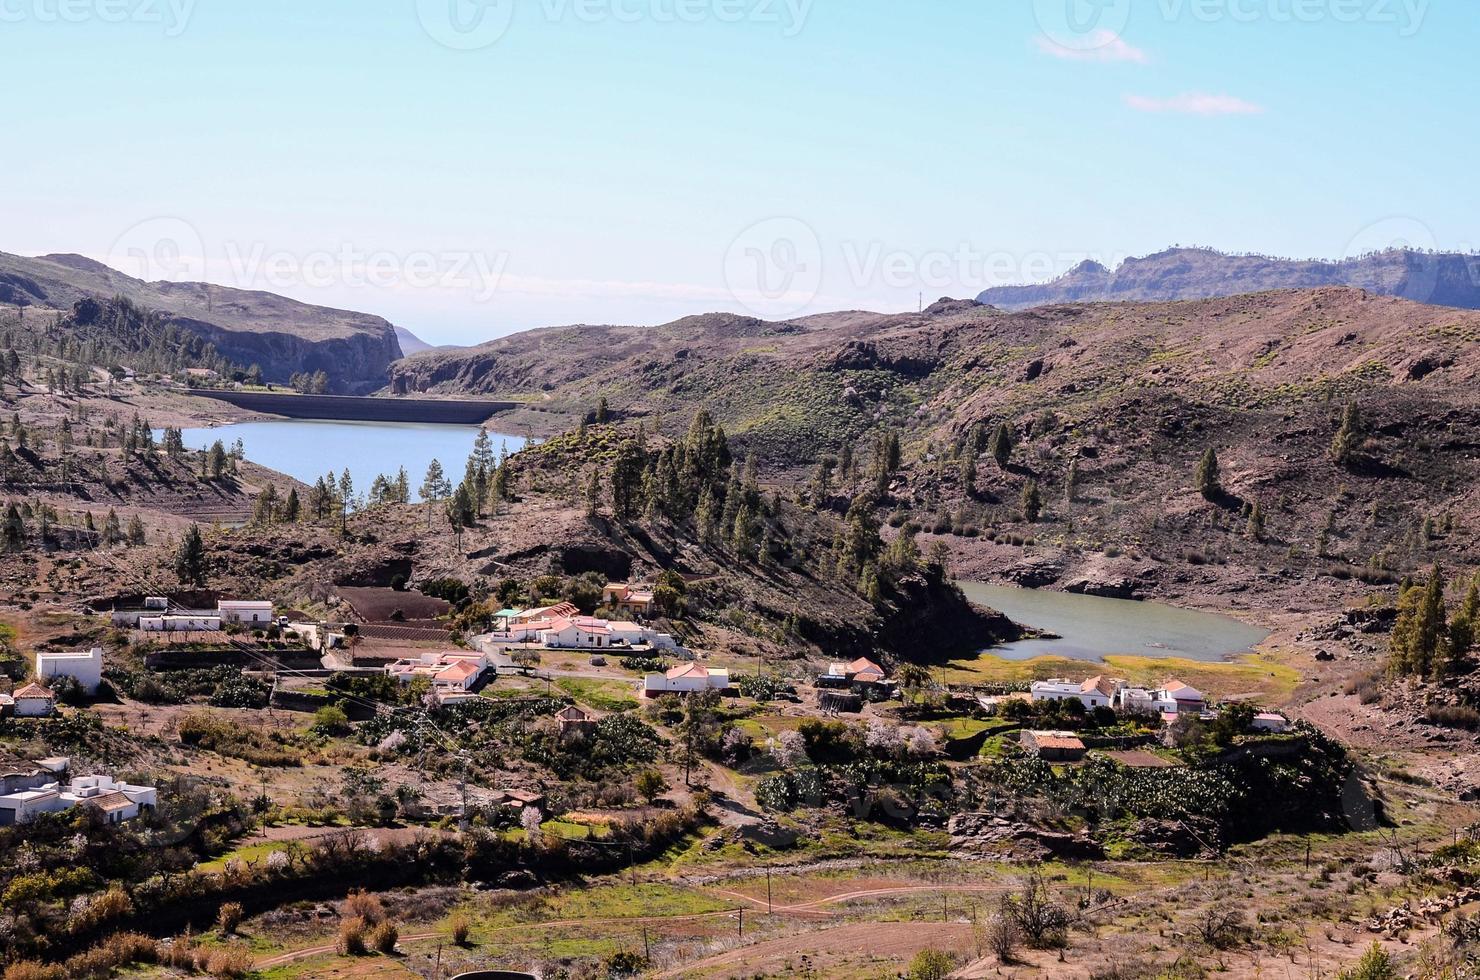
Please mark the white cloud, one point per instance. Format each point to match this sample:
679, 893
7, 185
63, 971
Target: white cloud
1098, 45
1196, 104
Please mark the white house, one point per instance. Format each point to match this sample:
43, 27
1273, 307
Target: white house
1097, 692
116, 801
33, 701
85, 667
577, 633
446, 671
248, 612
689, 678
1137, 700
189, 622
1176, 698
1268, 721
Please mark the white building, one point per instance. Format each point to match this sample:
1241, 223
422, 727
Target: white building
116, 801
248, 612
85, 667
1097, 692
689, 678
577, 633
1268, 721
446, 671
33, 701
189, 622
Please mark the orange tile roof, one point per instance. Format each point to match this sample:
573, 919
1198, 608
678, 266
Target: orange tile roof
110, 802
34, 690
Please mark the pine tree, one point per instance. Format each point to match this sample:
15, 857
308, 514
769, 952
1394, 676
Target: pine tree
1349, 438
593, 494
626, 481
602, 411
1205, 478
14, 530
968, 475
1419, 645
112, 533
1256, 521
190, 560
136, 535
1032, 501
402, 487
1001, 445
292, 508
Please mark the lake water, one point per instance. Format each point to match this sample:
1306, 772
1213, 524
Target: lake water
307, 449
1091, 627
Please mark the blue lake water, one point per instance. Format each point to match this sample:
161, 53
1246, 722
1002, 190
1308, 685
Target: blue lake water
1090, 627
307, 449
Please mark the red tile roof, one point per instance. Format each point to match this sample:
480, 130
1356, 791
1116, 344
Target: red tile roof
33, 690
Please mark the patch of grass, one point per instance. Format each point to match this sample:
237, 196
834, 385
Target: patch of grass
1261, 674
601, 695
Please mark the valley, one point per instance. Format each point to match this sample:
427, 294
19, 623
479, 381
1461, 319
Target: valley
797, 498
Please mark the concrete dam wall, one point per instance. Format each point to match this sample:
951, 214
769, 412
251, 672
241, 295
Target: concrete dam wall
353, 409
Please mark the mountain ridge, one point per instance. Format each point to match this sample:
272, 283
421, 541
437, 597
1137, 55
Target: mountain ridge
1441, 279
283, 336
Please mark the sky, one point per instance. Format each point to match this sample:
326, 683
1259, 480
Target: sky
467, 168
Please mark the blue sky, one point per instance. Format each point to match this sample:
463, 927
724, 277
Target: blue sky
631, 161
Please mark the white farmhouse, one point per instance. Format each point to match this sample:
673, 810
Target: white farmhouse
116, 801
248, 612
686, 679
1097, 692
85, 667
33, 701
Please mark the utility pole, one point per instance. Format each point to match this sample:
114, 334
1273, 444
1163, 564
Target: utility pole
647, 952
742, 923
437, 970
768, 893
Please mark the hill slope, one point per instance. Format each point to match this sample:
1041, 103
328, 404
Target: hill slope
1126, 396
281, 335
1196, 273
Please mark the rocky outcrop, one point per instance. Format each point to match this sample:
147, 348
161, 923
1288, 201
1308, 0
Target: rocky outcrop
1200, 273
995, 836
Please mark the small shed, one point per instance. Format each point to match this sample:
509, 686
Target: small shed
1053, 746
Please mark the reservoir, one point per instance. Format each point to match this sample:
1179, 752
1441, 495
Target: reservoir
307, 449
1091, 628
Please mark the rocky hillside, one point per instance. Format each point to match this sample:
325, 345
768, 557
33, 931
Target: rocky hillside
1199, 273
281, 335
1123, 398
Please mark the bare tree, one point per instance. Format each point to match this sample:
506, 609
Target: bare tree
1042, 921
1219, 924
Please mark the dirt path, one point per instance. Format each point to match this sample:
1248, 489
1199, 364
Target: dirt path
812, 908
828, 949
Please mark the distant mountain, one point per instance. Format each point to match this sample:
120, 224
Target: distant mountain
411, 343
1441, 279
281, 335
